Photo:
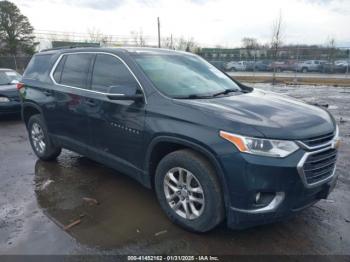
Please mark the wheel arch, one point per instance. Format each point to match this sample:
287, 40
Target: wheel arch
29, 109
163, 145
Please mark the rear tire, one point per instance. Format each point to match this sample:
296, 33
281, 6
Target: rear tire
199, 193
40, 140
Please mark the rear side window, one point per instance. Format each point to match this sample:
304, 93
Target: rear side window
58, 70
75, 70
38, 67
109, 71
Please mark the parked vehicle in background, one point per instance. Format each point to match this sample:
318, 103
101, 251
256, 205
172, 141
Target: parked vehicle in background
261, 65
9, 98
339, 66
249, 66
310, 66
212, 148
342, 66
280, 66
236, 66
218, 64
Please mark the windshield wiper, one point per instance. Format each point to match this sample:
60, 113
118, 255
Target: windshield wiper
226, 91
193, 96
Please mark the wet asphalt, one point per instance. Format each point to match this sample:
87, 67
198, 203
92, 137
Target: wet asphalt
39, 199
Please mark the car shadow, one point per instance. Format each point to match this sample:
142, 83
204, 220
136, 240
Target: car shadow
10, 117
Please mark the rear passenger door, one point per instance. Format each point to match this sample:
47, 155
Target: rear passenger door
116, 125
70, 117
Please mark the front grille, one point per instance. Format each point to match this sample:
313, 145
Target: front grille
319, 166
318, 140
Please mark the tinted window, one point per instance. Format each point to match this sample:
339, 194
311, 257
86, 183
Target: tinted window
58, 71
75, 70
109, 71
38, 67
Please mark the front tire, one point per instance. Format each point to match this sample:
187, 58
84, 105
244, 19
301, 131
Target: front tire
188, 191
40, 140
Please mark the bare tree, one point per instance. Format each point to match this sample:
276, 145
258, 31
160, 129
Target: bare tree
331, 51
168, 42
138, 38
107, 40
250, 45
95, 35
188, 45
276, 42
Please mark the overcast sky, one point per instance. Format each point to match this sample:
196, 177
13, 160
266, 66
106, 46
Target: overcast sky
209, 22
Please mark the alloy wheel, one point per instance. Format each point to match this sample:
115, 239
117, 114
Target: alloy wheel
184, 193
37, 135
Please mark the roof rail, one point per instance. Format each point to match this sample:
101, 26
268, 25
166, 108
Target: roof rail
67, 47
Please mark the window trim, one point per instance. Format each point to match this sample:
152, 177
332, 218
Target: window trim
89, 90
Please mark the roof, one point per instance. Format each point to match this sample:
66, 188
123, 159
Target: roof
134, 50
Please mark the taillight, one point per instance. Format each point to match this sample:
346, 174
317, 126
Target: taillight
19, 86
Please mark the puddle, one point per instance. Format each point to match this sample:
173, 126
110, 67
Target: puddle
122, 216
125, 211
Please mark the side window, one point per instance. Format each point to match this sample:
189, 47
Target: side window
58, 71
109, 72
75, 70
38, 67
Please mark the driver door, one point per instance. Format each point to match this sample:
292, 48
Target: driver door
116, 125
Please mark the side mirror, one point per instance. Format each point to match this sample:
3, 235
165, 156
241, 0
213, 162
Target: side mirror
14, 82
124, 93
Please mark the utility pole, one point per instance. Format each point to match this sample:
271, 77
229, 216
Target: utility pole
158, 32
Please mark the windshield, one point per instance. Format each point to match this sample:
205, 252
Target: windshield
6, 76
180, 76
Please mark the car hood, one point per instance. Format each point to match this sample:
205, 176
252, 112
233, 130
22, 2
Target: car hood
272, 115
8, 90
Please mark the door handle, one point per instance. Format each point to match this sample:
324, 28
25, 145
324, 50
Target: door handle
91, 102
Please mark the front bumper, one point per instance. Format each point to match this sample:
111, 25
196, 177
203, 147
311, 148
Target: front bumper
246, 175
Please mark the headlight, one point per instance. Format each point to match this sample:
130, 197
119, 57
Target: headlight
259, 146
4, 99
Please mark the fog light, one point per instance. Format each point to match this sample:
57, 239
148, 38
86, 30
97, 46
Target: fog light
257, 197
263, 198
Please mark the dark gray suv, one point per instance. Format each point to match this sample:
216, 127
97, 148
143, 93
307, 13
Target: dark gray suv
211, 148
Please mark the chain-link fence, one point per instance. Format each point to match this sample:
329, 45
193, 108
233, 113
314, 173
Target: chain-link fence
17, 63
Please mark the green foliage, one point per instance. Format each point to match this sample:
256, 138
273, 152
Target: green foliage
16, 33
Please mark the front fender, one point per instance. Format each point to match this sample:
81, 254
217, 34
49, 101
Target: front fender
194, 145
